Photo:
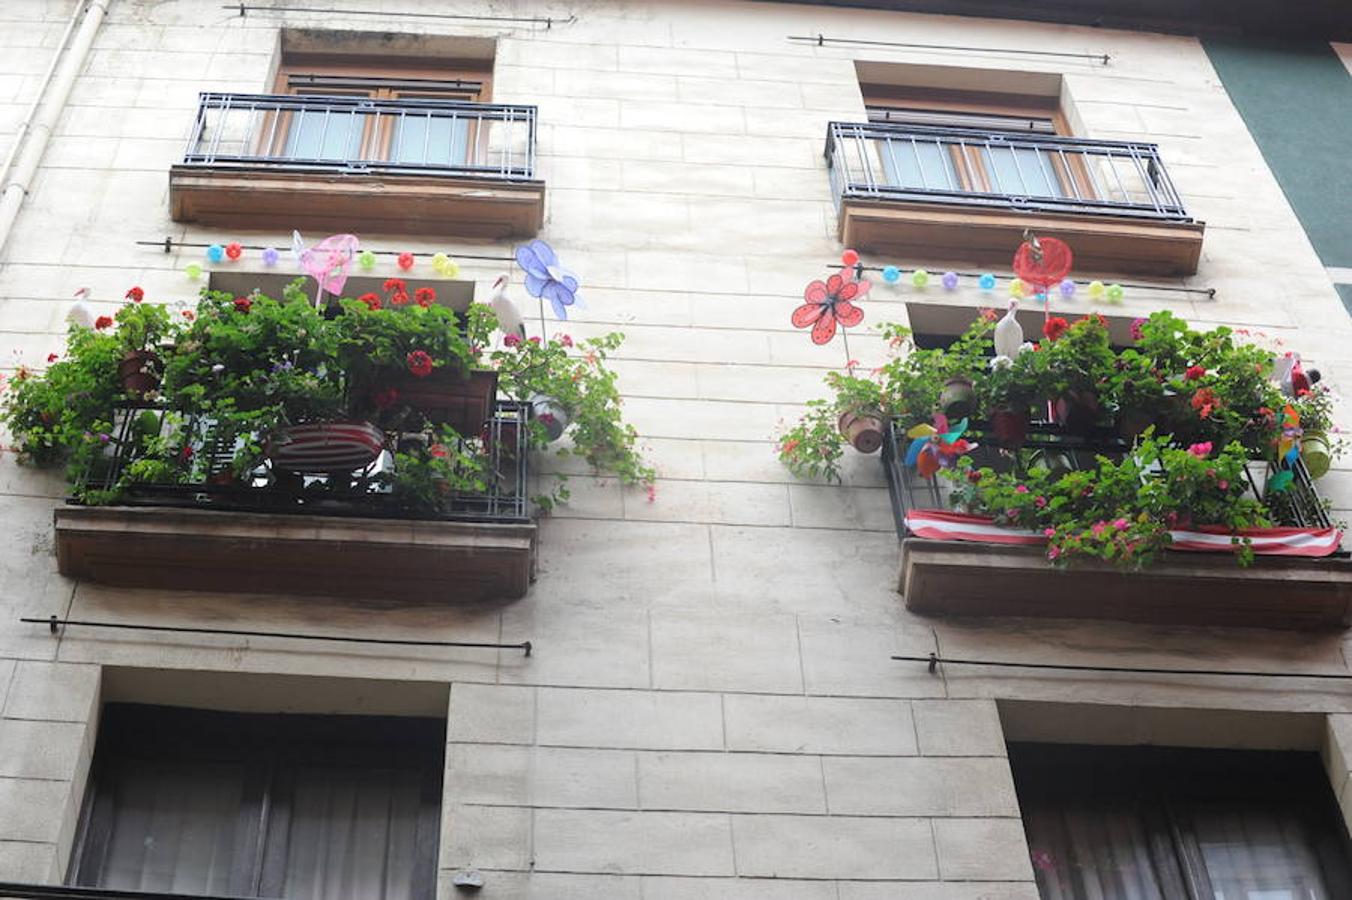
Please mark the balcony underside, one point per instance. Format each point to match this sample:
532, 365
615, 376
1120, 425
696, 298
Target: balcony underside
376, 559
937, 233
949, 578
394, 204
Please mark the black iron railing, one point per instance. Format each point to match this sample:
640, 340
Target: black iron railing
1051, 445
359, 135
965, 167
201, 475
16, 891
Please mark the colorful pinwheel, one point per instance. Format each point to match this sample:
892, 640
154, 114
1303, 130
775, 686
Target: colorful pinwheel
1288, 450
935, 447
830, 302
546, 278
328, 261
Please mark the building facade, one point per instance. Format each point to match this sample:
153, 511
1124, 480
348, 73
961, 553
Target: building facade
710, 706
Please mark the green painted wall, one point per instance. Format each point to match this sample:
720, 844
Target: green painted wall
1296, 99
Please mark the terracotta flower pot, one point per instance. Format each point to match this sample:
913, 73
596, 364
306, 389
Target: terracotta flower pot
865, 433
447, 397
1010, 427
139, 371
958, 398
1076, 411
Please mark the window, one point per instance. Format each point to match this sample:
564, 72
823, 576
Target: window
197, 802
1149, 823
433, 129
973, 143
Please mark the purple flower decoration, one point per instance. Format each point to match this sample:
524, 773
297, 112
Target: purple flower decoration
546, 278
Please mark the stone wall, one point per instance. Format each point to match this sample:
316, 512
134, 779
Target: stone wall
711, 710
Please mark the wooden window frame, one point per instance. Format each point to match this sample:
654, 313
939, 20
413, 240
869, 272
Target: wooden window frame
269, 748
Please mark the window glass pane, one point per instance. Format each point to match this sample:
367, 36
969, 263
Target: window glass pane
430, 140
328, 135
1257, 853
918, 164
352, 835
173, 828
1022, 171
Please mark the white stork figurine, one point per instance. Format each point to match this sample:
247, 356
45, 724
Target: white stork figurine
80, 312
1009, 341
509, 317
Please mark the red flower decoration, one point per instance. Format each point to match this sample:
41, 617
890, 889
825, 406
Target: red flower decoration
372, 301
1054, 328
394, 284
234, 250
243, 304
1044, 266
425, 296
405, 261
830, 302
419, 363
399, 298
1194, 372
136, 295
103, 322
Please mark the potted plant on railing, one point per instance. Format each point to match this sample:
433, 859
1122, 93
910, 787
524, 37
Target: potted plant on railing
141, 327
1071, 366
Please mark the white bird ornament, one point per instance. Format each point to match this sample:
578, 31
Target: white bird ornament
509, 317
1009, 341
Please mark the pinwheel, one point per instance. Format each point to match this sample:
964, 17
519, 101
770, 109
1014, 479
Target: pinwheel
547, 279
1288, 450
935, 447
830, 302
327, 262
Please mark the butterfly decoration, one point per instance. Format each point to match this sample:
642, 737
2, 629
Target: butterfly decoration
545, 278
830, 303
326, 262
935, 447
1288, 450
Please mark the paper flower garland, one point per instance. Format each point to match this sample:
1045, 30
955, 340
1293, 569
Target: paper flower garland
829, 303
270, 256
215, 253
234, 250
545, 278
367, 260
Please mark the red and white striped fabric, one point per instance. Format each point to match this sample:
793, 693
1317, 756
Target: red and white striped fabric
941, 525
326, 447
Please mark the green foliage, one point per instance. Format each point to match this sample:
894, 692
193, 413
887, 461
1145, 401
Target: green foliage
428, 474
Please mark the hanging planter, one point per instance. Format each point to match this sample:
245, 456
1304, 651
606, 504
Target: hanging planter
958, 398
326, 447
549, 413
1010, 427
865, 433
1317, 453
447, 397
139, 372
1076, 410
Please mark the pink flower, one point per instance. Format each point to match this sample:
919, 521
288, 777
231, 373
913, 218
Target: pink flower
1012, 513
1098, 528
565, 340
1049, 532
1136, 333
1041, 502
1021, 489
1223, 485
1202, 450
652, 493
1194, 372
1121, 524
511, 340
1053, 552
533, 340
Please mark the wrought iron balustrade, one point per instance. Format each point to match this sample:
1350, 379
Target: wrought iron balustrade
996, 169
1052, 445
360, 135
201, 476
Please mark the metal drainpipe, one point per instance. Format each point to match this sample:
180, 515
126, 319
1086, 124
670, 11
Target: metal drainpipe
35, 133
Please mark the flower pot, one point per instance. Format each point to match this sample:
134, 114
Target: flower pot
446, 397
1132, 423
1076, 411
326, 447
958, 398
548, 412
139, 371
1316, 453
1010, 427
865, 433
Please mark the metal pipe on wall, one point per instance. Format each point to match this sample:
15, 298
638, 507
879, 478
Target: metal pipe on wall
48, 106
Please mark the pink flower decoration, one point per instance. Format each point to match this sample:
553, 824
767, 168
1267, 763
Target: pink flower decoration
1202, 450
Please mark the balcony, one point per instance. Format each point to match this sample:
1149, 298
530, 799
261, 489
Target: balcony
435, 167
971, 577
198, 527
952, 194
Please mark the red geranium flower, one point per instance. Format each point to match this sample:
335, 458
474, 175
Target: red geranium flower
425, 296
234, 250
243, 304
387, 398
103, 322
399, 298
419, 363
439, 451
830, 302
1194, 372
394, 284
405, 261
136, 295
1054, 327
511, 340
372, 301
1205, 402
52, 357
566, 340
189, 314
